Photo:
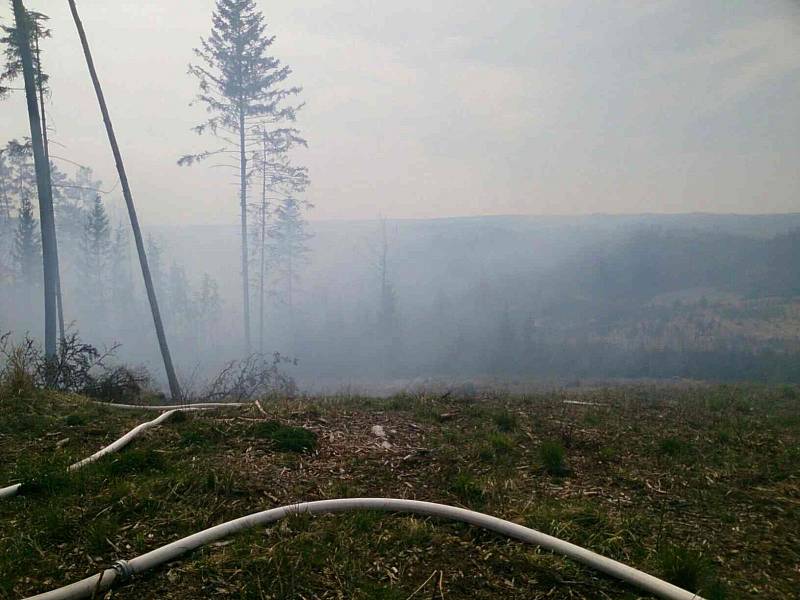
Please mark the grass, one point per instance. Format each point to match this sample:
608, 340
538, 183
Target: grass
553, 457
673, 447
286, 438
505, 420
467, 490
696, 485
690, 570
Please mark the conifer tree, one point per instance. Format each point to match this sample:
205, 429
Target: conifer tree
25, 31
35, 26
95, 248
288, 248
6, 175
155, 252
208, 302
27, 250
121, 275
279, 178
240, 85
179, 300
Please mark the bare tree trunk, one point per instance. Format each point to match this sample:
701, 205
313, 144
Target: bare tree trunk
174, 388
43, 185
262, 265
383, 265
59, 297
5, 201
243, 198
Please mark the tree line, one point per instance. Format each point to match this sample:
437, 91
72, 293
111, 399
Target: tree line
252, 113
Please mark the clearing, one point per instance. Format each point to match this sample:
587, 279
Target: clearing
698, 485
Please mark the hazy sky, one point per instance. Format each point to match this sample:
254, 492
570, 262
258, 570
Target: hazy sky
457, 107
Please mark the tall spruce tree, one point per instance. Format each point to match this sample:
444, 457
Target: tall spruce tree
35, 29
240, 85
25, 31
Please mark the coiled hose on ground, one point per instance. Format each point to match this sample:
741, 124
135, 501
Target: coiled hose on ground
123, 570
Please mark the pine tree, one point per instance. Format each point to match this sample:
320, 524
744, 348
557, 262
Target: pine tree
26, 30
240, 85
208, 303
288, 248
95, 248
387, 306
74, 198
21, 174
27, 251
279, 179
6, 175
121, 276
35, 25
179, 299
155, 252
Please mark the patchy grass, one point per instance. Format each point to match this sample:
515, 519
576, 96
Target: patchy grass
505, 420
699, 485
286, 438
553, 457
673, 447
690, 570
467, 490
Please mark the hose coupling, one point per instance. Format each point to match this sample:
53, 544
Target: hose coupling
123, 569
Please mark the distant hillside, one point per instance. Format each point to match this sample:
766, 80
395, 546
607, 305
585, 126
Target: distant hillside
625, 296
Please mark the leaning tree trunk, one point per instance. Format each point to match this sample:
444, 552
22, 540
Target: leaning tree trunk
174, 388
59, 297
243, 199
43, 185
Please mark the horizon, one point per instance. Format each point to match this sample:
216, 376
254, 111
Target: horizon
378, 218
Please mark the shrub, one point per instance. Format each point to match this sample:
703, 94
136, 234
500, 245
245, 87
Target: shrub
18, 376
119, 383
78, 367
253, 377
